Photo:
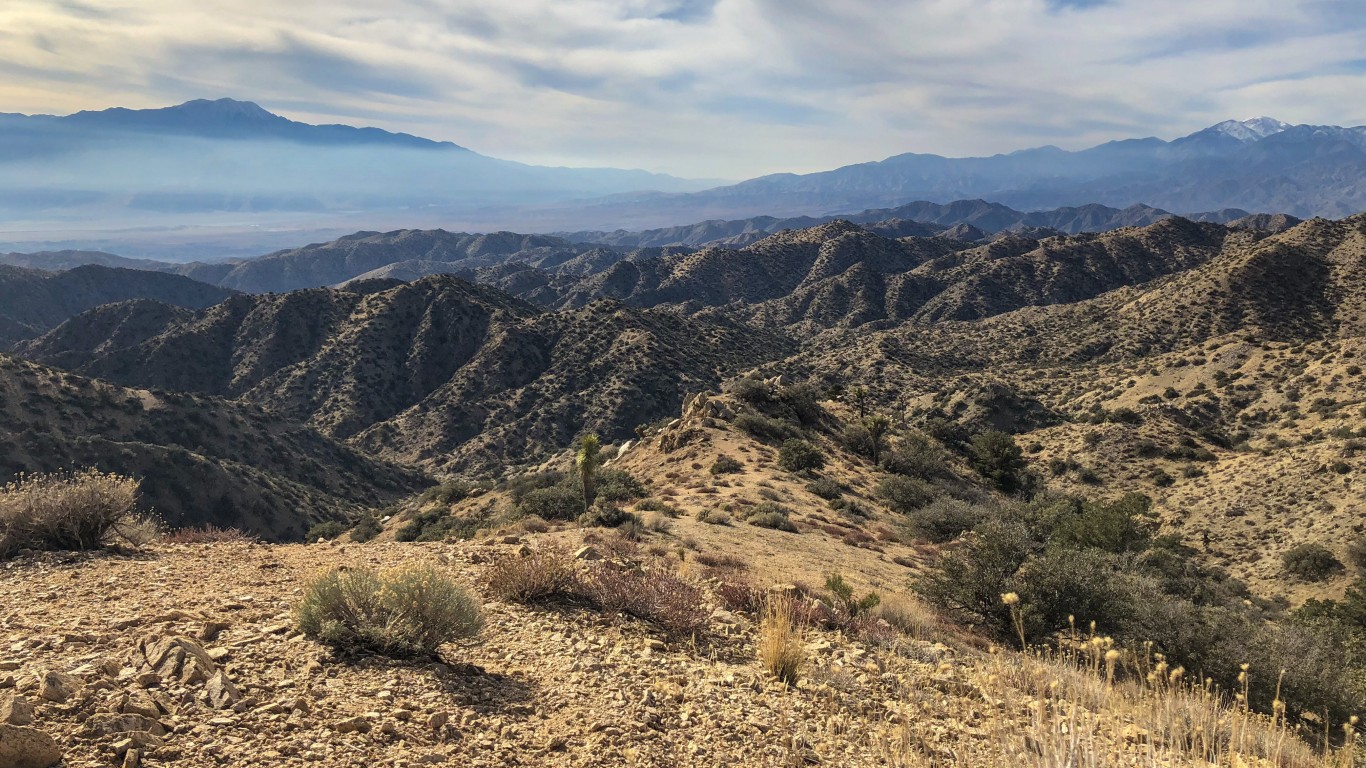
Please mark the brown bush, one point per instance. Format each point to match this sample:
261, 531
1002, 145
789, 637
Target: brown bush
78, 510
206, 534
542, 575
652, 594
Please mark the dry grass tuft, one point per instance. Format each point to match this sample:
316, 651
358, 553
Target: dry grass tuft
781, 649
206, 534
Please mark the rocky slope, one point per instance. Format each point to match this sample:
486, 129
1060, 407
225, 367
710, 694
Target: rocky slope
200, 459
438, 372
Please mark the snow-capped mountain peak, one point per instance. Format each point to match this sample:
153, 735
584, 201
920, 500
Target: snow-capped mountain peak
1250, 130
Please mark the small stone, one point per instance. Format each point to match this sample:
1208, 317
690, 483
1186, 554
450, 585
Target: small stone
132, 758
147, 679
58, 687
587, 552
219, 692
655, 645
211, 630
15, 710
512, 539
24, 747
108, 725
219, 655
357, 724
438, 721
139, 703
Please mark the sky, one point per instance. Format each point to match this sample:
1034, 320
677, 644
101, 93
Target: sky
723, 89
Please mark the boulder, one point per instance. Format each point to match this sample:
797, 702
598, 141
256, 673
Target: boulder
15, 710
58, 687
24, 747
178, 658
220, 693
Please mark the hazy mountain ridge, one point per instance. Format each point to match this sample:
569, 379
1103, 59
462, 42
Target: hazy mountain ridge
33, 301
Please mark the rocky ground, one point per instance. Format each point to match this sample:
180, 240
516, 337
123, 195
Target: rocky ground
188, 655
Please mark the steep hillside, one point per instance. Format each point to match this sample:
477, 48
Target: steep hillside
33, 302
200, 460
437, 372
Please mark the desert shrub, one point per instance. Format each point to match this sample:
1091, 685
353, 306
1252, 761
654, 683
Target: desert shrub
206, 534
651, 594
78, 510
606, 516
797, 455
772, 515
1087, 584
327, 531
825, 488
969, 581
916, 456
1311, 562
904, 494
764, 427
365, 529
737, 594
617, 485
725, 465
712, 517
557, 502
751, 390
908, 617
545, 574
944, 519
781, 649
447, 493
1125, 525
1356, 552
858, 439
997, 458
407, 613
437, 524
724, 561
655, 505
803, 400
518, 487
845, 598
1161, 479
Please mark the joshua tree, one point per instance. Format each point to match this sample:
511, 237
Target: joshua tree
860, 395
586, 461
877, 427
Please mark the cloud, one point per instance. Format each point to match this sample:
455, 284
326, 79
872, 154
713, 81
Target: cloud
717, 88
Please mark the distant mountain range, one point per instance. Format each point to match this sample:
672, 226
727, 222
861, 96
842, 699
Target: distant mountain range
243, 173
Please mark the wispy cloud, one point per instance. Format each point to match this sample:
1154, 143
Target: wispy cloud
726, 88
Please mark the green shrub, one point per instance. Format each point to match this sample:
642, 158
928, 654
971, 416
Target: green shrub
408, 613
844, 595
904, 494
447, 493
606, 516
765, 428
916, 456
772, 515
725, 465
437, 525
617, 485
825, 488
1121, 526
944, 519
1311, 562
558, 502
655, 505
1356, 552
326, 531
797, 455
365, 529
997, 458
